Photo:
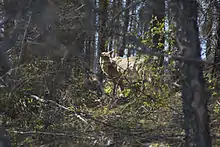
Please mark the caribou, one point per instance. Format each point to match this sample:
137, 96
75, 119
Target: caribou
119, 68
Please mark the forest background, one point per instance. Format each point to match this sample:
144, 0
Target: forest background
53, 91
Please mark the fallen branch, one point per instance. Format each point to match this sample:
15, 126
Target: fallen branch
58, 105
80, 115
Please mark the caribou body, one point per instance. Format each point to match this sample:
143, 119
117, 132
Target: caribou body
118, 68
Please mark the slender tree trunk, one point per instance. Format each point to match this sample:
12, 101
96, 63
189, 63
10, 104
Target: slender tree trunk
5, 64
103, 17
132, 26
89, 23
125, 28
119, 41
102, 38
194, 95
207, 31
216, 69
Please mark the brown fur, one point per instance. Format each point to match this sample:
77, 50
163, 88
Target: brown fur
109, 68
118, 68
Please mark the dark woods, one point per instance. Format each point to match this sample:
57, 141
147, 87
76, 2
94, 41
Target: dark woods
109, 73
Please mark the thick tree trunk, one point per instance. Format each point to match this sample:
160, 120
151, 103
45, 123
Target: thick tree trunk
194, 95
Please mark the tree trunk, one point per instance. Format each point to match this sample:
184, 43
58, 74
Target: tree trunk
5, 64
216, 69
103, 17
125, 28
194, 95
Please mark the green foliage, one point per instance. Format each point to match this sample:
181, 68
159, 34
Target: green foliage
126, 92
147, 108
108, 88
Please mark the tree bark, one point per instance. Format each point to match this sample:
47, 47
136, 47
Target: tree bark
103, 17
194, 95
5, 63
216, 69
125, 28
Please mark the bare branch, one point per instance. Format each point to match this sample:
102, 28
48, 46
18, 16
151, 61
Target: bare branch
58, 105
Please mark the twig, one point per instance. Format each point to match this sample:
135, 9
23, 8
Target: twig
58, 105
80, 115
23, 39
68, 134
39, 132
80, 7
25, 31
218, 103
